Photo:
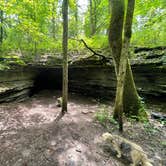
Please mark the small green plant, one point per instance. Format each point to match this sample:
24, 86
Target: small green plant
150, 128
103, 116
163, 143
132, 119
142, 116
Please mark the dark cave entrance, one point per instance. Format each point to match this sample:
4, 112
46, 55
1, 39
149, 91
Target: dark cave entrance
47, 79
86, 81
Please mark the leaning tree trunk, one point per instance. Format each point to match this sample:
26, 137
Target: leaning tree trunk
131, 98
65, 57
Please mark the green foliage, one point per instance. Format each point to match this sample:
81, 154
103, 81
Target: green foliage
150, 128
4, 66
103, 116
100, 19
142, 116
163, 143
6, 61
149, 28
33, 27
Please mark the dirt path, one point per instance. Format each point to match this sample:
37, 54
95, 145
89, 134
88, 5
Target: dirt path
29, 137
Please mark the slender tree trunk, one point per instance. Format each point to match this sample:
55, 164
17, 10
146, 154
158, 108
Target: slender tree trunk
109, 11
65, 57
1, 27
53, 21
35, 49
76, 18
109, 7
35, 19
92, 18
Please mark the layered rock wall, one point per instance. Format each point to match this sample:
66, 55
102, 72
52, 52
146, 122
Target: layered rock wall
88, 76
16, 84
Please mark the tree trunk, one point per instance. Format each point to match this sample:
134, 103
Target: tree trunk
119, 105
76, 20
65, 57
127, 99
115, 39
92, 18
53, 21
131, 99
116, 28
1, 27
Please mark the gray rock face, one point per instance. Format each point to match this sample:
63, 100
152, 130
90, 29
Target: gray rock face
90, 76
101, 81
95, 78
15, 84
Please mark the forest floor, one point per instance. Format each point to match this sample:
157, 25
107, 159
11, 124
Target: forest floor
30, 137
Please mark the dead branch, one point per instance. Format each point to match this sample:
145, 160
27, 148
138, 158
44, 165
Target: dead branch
104, 58
94, 53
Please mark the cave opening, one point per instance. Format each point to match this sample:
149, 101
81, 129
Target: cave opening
89, 82
47, 79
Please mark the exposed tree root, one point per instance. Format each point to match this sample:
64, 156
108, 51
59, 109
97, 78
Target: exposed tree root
59, 116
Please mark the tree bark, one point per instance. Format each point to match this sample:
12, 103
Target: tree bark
116, 28
53, 20
92, 18
131, 98
76, 19
127, 99
65, 57
115, 39
1, 27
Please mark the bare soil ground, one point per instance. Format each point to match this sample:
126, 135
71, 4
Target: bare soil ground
30, 137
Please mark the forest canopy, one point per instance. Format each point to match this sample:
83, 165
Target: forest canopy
32, 27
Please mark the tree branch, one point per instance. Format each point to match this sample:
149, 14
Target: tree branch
104, 58
94, 53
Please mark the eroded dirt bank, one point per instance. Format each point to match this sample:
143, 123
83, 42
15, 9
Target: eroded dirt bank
29, 137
